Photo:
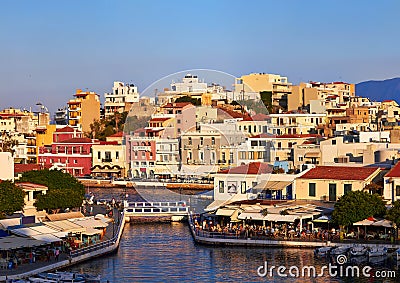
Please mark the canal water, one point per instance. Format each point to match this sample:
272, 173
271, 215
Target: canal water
166, 253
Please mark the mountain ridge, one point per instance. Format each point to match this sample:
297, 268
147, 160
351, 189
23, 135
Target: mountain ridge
379, 90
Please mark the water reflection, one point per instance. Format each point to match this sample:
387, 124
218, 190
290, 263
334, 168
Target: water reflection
166, 253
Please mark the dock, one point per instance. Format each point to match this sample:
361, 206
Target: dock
75, 257
224, 239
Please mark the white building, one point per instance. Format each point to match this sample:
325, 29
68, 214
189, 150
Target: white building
120, 99
7, 166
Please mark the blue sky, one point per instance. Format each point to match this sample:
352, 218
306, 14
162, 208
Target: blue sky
48, 49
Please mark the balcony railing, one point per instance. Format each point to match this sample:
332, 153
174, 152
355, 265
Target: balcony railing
106, 160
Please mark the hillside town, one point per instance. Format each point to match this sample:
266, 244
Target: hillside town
195, 130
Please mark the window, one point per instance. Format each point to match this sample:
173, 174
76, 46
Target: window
242, 154
279, 145
190, 141
261, 155
397, 191
347, 188
117, 155
311, 190
75, 161
221, 187
231, 157
178, 121
300, 158
253, 143
108, 155
201, 140
333, 142
213, 140
243, 187
251, 154
99, 155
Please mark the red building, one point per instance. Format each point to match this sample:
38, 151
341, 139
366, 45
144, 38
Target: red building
70, 152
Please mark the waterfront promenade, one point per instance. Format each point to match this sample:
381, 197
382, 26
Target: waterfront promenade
109, 245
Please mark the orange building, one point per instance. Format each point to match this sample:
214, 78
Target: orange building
83, 110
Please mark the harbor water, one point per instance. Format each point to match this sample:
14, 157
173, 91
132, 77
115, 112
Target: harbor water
166, 253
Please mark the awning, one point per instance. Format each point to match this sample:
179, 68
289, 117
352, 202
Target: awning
272, 185
14, 242
89, 223
65, 225
251, 216
312, 155
225, 212
25, 232
92, 231
5, 223
281, 218
44, 229
48, 238
65, 216
383, 223
215, 205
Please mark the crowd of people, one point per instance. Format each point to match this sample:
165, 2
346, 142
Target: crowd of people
286, 231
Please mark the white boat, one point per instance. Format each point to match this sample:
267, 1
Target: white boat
377, 251
358, 251
323, 251
64, 277
397, 254
340, 250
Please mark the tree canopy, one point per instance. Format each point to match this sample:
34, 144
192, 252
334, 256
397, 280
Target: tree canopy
11, 198
194, 101
64, 190
357, 205
393, 214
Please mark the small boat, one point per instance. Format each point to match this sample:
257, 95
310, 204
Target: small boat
359, 259
397, 254
358, 251
41, 280
340, 250
377, 251
377, 259
64, 277
323, 251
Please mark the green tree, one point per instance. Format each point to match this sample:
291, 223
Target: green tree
266, 98
11, 198
65, 191
194, 101
393, 214
7, 143
357, 205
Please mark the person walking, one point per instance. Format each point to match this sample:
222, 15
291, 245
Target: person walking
57, 254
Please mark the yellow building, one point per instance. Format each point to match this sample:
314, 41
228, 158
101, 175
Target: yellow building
44, 136
329, 183
83, 110
258, 82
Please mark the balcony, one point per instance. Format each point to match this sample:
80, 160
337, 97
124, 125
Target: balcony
106, 160
141, 148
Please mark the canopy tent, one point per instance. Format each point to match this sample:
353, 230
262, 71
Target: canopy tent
65, 226
251, 216
91, 232
281, 218
15, 242
25, 232
383, 223
225, 212
272, 185
48, 238
322, 219
89, 223
5, 223
366, 222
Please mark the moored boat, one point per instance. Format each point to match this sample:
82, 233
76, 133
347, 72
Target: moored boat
340, 250
377, 251
358, 251
323, 251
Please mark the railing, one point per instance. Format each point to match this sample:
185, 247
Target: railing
158, 204
145, 210
105, 244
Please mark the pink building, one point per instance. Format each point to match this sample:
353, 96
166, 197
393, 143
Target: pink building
70, 151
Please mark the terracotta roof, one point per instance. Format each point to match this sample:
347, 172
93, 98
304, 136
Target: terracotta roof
77, 140
293, 136
395, 171
176, 105
260, 117
253, 168
339, 173
117, 135
66, 129
21, 168
159, 119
